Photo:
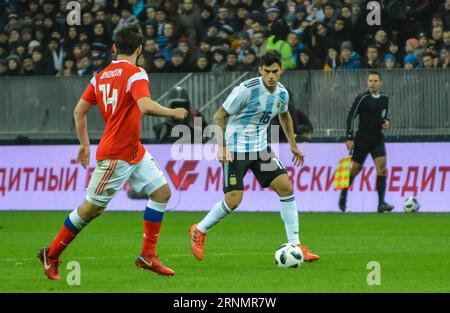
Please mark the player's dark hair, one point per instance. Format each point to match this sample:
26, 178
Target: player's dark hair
270, 57
373, 72
127, 39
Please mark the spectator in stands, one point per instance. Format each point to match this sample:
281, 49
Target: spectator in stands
232, 62
295, 44
13, 65
444, 58
68, 68
219, 59
372, 58
101, 34
223, 17
244, 44
390, 62
317, 41
27, 65
241, 17
427, 61
42, 24
346, 12
410, 62
338, 33
273, 15
183, 45
438, 35
300, 18
259, 43
159, 64
20, 49
149, 50
168, 40
201, 64
423, 42
188, 17
306, 61
150, 29
55, 56
332, 61
446, 40
250, 61
206, 46
350, 60
206, 19
273, 3
276, 41
40, 65
84, 66
161, 19
445, 9
395, 50
381, 41
178, 62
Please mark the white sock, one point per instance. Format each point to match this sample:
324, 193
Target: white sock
217, 213
289, 215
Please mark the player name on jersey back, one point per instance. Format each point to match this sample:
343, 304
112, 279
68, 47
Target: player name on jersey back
109, 74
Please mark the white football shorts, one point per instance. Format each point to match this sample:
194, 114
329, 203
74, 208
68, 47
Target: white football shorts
109, 177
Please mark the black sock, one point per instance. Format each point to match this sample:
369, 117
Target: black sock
381, 188
345, 191
350, 181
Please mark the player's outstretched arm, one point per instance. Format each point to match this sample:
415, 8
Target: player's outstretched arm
288, 129
149, 107
79, 115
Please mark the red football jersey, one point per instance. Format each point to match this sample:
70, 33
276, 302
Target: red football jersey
116, 90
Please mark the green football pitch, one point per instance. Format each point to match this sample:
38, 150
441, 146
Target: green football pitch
413, 251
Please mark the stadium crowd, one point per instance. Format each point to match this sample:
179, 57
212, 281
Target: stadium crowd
227, 35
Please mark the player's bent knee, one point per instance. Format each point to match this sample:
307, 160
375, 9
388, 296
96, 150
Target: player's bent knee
88, 211
285, 190
161, 195
233, 199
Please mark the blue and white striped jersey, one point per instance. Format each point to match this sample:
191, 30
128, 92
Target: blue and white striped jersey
251, 107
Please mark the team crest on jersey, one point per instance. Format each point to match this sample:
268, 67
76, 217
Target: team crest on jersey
233, 180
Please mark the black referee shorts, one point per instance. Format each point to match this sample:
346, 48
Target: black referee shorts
264, 164
363, 146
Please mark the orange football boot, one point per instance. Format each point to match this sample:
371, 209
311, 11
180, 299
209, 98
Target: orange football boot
308, 256
50, 265
154, 265
197, 242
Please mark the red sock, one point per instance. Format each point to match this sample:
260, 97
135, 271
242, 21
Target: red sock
151, 233
62, 240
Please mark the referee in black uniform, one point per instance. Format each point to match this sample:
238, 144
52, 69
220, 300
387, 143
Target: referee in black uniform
372, 109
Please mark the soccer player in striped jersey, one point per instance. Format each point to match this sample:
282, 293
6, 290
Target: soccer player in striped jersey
121, 93
249, 108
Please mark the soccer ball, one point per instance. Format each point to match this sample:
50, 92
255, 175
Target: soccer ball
411, 205
289, 255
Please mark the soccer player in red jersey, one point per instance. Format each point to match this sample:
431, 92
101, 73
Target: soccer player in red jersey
121, 93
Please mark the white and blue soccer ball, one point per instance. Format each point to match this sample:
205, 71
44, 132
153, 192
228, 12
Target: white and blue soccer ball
411, 205
289, 255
